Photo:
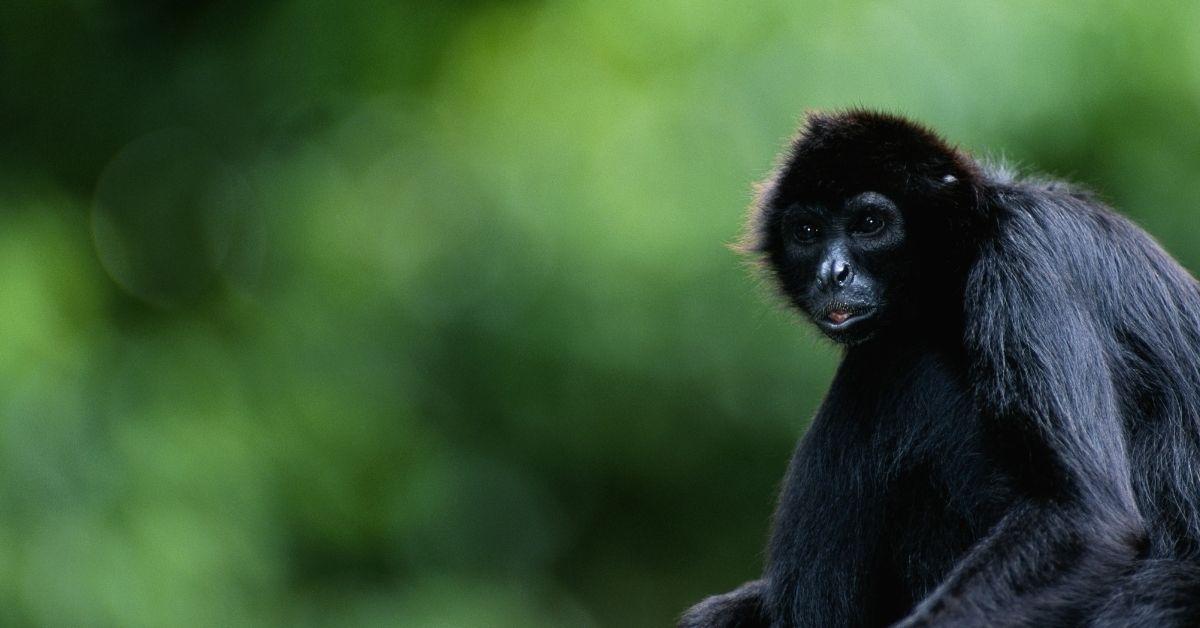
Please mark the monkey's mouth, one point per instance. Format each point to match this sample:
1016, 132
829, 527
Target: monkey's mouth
843, 317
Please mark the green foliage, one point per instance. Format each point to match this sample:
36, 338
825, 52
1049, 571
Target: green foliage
328, 314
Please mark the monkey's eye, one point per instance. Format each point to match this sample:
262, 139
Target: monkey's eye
869, 224
807, 232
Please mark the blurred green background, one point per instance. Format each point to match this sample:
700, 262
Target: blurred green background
420, 314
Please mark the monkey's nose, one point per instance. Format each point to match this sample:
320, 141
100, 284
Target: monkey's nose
836, 274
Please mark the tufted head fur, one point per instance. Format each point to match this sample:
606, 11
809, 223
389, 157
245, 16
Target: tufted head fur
835, 155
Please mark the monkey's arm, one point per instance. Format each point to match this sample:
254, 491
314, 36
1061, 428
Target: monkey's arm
740, 608
1042, 378
1039, 566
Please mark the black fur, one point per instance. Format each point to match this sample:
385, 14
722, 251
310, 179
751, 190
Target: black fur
1018, 443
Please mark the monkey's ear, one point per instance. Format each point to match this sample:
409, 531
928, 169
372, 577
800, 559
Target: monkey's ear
836, 154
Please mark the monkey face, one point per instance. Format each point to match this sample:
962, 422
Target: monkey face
841, 262
870, 222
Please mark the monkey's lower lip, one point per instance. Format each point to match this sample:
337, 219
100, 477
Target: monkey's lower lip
839, 319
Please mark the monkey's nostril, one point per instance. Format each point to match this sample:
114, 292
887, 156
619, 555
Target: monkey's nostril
842, 273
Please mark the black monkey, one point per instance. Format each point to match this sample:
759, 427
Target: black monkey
1013, 435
